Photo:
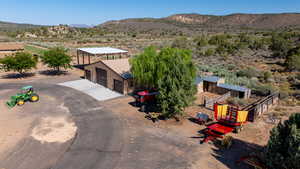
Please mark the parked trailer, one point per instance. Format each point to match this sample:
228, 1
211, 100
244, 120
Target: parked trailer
228, 119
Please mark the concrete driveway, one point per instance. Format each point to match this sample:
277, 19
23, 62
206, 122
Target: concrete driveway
95, 90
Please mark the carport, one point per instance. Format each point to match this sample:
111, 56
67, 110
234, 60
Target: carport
104, 53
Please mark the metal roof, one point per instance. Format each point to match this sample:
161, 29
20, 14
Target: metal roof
233, 87
213, 79
103, 50
198, 80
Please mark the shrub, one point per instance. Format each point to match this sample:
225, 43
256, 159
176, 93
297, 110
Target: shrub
181, 43
21, 62
292, 61
263, 89
248, 72
280, 46
209, 52
282, 150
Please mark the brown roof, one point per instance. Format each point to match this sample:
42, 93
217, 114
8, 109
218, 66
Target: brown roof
11, 46
120, 66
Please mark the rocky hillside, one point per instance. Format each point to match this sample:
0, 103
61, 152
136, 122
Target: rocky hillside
9, 26
196, 22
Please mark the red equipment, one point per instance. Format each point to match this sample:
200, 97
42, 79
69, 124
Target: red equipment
144, 97
229, 119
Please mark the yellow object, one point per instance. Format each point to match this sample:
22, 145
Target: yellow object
222, 111
34, 98
242, 116
21, 102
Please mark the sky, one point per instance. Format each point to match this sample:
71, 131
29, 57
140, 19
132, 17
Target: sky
94, 12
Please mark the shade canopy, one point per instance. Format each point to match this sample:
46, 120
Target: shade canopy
102, 50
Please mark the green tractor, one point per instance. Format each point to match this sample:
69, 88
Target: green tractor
27, 94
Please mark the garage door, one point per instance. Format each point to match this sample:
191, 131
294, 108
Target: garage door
101, 77
88, 75
118, 86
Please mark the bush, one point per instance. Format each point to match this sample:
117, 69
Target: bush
248, 72
280, 46
21, 62
181, 43
237, 101
292, 61
209, 52
282, 150
264, 89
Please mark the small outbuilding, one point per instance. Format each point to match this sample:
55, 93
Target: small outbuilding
113, 74
214, 84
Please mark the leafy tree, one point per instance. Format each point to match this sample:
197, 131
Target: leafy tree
21, 62
280, 46
56, 58
283, 148
170, 71
292, 61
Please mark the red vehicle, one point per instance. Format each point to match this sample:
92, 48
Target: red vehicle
229, 119
144, 97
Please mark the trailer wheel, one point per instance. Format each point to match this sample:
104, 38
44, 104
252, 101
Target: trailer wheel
237, 129
143, 108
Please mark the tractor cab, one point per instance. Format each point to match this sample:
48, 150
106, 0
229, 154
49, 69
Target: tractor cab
27, 90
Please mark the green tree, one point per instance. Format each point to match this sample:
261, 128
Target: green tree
292, 61
283, 148
170, 71
21, 62
56, 58
280, 46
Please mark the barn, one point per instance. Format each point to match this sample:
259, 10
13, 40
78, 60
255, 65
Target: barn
113, 74
10, 48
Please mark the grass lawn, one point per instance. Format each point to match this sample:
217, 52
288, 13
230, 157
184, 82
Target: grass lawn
34, 50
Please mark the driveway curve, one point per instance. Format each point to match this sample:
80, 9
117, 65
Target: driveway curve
97, 144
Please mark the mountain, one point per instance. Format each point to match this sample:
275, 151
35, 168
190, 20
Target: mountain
81, 26
9, 26
195, 22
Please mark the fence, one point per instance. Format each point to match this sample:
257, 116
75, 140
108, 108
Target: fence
209, 103
261, 106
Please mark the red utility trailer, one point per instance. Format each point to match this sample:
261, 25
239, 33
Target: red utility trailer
229, 119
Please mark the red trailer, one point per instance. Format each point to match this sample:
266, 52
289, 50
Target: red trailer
229, 119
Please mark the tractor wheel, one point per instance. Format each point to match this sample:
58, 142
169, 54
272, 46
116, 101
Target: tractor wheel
20, 102
34, 98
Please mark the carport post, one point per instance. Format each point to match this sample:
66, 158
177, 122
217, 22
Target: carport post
89, 58
77, 56
83, 57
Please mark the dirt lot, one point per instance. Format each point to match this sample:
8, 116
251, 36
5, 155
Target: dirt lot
207, 155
